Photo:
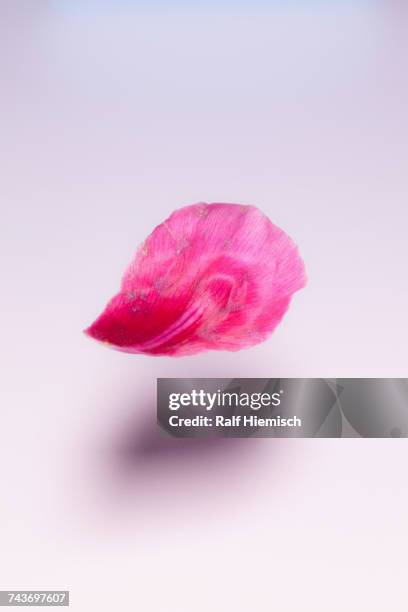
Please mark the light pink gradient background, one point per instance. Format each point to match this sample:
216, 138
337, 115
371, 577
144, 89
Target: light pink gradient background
109, 120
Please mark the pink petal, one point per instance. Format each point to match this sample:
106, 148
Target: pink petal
212, 276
